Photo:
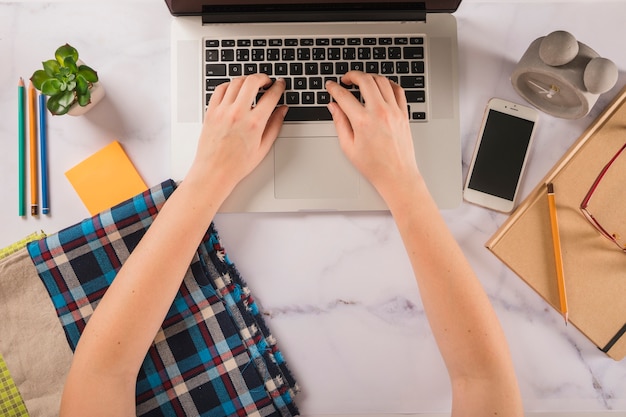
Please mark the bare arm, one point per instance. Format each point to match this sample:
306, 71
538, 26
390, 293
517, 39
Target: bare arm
234, 139
377, 139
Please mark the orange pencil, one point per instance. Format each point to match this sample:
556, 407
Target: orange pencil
32, 123
558, 256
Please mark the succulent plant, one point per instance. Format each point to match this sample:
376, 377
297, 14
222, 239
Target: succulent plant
64, 80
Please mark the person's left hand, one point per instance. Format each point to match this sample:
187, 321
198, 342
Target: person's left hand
235, 136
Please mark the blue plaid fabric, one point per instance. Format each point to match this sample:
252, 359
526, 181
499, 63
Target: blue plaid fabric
213, 356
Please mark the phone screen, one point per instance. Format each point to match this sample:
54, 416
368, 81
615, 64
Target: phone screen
501, 154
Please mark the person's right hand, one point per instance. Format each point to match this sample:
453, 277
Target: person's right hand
375, 136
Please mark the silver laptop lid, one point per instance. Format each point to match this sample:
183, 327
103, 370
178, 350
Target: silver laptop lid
216, 11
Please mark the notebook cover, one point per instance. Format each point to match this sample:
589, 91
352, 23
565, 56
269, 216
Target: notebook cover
594, 267
106, 179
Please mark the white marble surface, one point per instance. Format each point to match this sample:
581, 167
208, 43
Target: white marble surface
337, 289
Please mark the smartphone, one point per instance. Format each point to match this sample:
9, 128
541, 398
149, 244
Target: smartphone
500, 155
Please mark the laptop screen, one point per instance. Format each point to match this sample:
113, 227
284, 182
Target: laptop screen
303, 10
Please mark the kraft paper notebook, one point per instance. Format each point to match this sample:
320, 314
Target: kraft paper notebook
594, 267
106, 178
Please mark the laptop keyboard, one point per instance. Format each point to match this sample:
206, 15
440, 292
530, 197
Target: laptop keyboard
306, 63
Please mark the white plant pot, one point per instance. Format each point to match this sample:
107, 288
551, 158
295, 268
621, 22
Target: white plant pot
97, 94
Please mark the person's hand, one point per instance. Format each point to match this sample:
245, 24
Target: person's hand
375, 136
235, 136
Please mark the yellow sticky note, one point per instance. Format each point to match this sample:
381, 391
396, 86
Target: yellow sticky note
106, 179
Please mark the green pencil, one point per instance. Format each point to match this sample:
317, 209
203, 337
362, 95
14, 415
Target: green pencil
21, 148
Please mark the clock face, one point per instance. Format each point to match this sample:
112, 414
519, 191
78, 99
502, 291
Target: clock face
551, 94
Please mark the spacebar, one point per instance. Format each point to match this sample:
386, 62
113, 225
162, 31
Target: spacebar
306, 114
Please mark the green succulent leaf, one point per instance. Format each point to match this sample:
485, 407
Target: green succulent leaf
71, 86
88, 73
38, 78
84, 98
64, 52
51, 87
51, 67
70, 63
82, 85
61, 103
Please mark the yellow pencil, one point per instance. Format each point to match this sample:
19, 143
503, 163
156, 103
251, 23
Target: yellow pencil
558, 254
32, 123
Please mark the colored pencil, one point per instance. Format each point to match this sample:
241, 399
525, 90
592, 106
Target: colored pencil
43, 155
558, 254
32, 119
21, 149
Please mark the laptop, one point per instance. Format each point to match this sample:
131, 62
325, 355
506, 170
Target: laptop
307, 42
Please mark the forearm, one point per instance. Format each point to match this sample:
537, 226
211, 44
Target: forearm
464, 324
124, 324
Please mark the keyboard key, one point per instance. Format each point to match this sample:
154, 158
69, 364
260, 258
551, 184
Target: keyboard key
311, 68
334, 54
401, 41
211, 43
307, 42
402, 67
250, 69
234, 70
244, 42
418, 115
291, 42
386, 67
315, 83
288, 54
299, 114
300, 83
216, 69
308, 97
211, 83
412, 81
394, 52
417, 67
341, 68
319, 54
273, 54
212, 55
364, 53
380, 53
354, 41
280, 68
369, 41
338, 41
259, 42
276, 42
227, 55
385, 41
242, 55
265, 68
417, 41
258, 54
228, 43
371, 67
326, 68
349, 54
322, 42
413, 52
357, 66
296, 68
304, 54
323, 97
416, 96
292, 97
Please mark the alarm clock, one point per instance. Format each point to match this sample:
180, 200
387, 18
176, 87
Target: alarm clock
561, 76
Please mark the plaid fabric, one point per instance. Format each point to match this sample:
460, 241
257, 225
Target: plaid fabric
213, 356
11, 403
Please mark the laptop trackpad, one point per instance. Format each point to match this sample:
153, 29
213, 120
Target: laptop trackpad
313, 167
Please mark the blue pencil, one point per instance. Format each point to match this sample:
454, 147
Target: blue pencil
43, 153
